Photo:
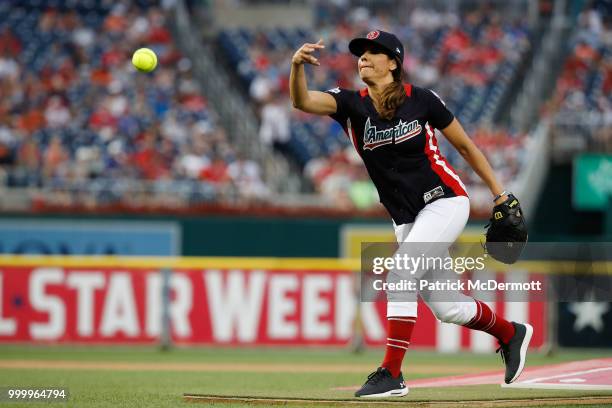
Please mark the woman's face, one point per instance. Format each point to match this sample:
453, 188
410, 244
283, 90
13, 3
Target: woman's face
375, 66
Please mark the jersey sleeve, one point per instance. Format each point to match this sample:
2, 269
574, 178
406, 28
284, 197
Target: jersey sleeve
438, 114
343, 104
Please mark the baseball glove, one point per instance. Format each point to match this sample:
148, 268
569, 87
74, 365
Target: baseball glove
506, 232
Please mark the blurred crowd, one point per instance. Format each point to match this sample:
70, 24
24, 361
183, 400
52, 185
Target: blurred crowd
468, 58
80, 124
582, 103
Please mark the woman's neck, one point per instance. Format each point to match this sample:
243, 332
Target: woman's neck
376, 89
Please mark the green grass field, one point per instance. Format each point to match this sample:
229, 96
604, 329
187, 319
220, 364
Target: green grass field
136, 377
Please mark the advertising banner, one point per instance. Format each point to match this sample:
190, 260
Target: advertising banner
592, 181
75, 237
585, 324
214, 301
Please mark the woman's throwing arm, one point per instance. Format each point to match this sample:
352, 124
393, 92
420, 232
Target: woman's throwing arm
319, 103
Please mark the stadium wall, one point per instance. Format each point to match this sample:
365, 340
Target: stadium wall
193, 236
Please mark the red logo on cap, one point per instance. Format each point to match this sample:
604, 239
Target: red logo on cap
372, 35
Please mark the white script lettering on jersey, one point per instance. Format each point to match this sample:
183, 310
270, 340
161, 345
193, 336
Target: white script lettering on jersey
373, 138
335, 90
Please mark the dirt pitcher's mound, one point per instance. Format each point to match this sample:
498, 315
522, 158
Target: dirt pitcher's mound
540, 402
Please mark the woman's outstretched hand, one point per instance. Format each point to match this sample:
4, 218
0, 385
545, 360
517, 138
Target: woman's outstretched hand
304, 54
317, 102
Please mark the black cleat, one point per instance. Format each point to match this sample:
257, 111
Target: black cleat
514, 353
381, 384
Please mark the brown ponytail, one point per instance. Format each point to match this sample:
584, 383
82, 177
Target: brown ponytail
393, 95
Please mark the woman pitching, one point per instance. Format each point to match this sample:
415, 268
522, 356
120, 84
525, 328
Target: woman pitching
391, 125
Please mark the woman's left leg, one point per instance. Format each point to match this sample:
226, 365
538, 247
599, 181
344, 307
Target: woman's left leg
450, 218
442, 222
455, 307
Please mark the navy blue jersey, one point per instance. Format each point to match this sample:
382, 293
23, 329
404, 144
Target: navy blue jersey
401, 154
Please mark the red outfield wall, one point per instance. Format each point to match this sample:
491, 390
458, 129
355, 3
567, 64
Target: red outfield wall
212, 302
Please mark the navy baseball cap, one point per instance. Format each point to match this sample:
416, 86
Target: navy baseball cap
383, 39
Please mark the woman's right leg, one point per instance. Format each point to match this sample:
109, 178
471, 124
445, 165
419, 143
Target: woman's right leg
401, 315
387, 380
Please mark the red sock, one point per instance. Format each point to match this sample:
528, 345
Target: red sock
398, 338
487, 321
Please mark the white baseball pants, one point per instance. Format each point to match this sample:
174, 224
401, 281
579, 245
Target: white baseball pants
439, 223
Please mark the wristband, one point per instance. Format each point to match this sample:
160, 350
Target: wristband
500, 195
